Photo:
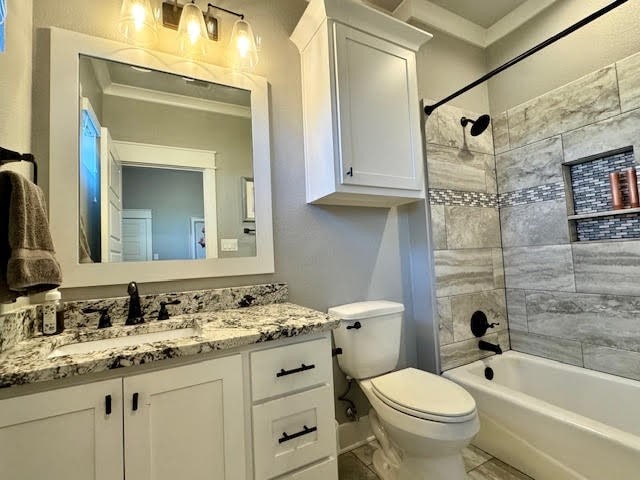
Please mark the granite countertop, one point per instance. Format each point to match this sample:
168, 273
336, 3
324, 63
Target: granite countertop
27, 362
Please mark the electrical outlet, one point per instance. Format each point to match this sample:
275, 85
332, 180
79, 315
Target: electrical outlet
229, 244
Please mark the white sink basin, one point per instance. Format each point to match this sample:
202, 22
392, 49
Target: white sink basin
128, 341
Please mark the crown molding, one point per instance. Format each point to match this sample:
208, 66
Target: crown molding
429, 14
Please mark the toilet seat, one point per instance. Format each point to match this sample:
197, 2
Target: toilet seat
424, 395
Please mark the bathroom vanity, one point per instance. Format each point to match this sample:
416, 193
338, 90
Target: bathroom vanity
242, 393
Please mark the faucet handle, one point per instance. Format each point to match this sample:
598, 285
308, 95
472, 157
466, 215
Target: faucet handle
480, 324
163, 314
105, 319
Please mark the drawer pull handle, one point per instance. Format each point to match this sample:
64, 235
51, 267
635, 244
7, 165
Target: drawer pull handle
306, 430
107, 405
135, 402
303, 368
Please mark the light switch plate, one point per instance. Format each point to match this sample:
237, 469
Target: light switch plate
229, 244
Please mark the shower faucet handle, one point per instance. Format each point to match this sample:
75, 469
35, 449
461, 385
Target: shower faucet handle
480, 324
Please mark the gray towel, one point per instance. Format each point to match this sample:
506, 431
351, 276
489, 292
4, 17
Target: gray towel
27, 257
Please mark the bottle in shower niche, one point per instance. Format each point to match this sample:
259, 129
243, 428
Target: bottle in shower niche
50, 309
632, 185
616, 192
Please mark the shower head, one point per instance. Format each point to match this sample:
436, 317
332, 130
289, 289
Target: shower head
478, 126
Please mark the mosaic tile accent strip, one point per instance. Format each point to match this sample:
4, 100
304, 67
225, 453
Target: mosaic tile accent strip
456, 198
618, 227
590, 182
540, 193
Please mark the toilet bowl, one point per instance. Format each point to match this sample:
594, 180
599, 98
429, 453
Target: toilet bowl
421, 420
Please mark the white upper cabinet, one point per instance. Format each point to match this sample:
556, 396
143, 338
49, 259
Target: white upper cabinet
362, 118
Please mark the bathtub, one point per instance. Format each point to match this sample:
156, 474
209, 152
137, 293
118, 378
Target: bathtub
554, 421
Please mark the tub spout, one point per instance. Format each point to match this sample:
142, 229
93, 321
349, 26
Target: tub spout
482, 345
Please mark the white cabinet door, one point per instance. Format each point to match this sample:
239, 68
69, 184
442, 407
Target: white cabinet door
65, 434
186, 422
379, 123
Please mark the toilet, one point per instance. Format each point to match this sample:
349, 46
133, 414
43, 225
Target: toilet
421, 420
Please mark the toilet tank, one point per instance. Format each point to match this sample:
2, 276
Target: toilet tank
374, 348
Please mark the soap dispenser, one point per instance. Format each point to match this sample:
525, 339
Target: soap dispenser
51, 310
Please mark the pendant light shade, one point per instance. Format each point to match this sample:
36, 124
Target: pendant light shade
242, 47
192, 31
137, 22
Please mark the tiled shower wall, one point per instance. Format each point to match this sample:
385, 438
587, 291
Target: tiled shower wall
578, 302
466, 235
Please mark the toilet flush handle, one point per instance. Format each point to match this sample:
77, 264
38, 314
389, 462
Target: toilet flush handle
356, 326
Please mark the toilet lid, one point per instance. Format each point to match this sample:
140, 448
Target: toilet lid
425, 395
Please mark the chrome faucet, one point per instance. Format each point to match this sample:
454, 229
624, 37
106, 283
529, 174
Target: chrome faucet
134, 317
490, 347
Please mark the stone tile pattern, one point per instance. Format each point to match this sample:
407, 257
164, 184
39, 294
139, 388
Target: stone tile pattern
462, 199
577, 303
466, 233
525, 196
479, 465
590, 182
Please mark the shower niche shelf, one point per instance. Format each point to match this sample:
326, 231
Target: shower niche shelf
607, 213
591, 216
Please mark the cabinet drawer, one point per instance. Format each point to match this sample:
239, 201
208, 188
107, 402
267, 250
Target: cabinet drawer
327, 470
293, 367
294, 431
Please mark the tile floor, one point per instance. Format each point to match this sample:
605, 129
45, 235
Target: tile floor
357, 465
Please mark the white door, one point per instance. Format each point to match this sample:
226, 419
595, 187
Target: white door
137, 244
380, 140
186, 422
65, 434
111, 199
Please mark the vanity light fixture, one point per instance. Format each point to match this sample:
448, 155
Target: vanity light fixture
194, 26
138, 23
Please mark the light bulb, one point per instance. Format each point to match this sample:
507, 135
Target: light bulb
243, 44
138, 14
193, 30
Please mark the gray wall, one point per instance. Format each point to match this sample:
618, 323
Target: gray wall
576, 302
446, 64
15, 78
608, 39
466, 235
173, 196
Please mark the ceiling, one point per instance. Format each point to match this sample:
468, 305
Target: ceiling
481, 12
484, 13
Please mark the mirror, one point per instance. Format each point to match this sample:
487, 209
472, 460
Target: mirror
159, 168
166, 166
